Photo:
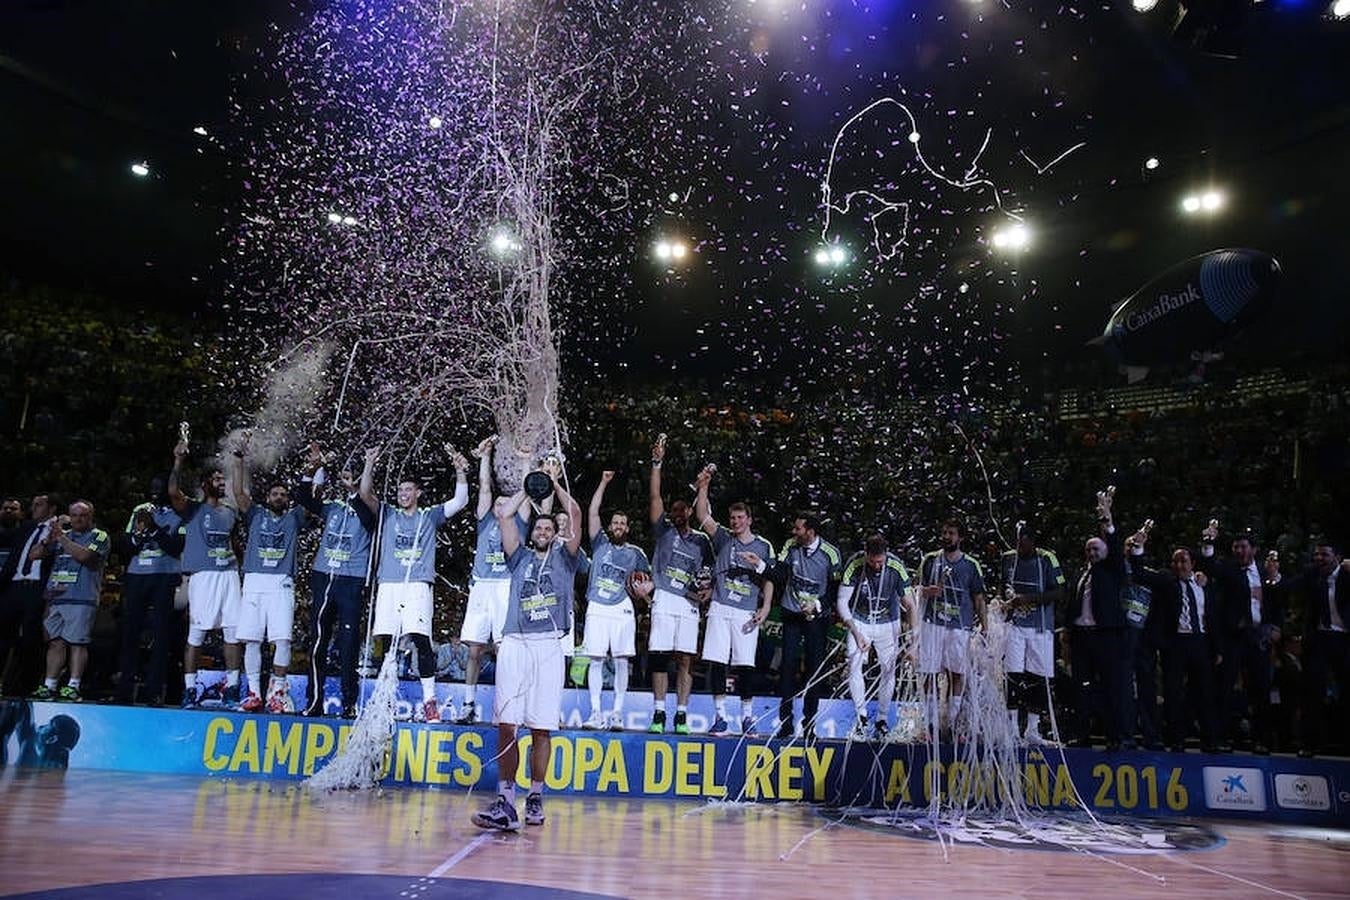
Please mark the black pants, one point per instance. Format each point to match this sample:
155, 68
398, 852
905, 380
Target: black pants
1143, 655
799, 631
337, 604
1099, 667
146, 596
21, 608
1247, 654
1325, 654
1188, 687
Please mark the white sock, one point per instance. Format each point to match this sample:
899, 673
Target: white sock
232, 676
620, 682
1033, 723
190, 681
508, 790
470, 693
75, 683
428, 689
595, 681
253, 667
537, 787
721, 707
50, 683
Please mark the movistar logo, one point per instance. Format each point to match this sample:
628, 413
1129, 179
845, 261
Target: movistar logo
1165, 304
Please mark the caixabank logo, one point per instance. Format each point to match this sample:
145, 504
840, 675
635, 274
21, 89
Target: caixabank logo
1230, 788
1302, 792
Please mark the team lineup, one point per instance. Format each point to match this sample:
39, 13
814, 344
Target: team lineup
709, 587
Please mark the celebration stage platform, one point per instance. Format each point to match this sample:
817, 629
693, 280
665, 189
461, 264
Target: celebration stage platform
688, 767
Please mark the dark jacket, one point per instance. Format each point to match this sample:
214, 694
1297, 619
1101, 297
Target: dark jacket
20, 539
1169, 595
1236, 595
1309, 590
1108, 581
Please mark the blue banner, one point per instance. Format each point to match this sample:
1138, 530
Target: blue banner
1315, 792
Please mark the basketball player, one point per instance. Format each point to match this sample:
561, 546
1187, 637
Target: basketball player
79, 551
530, 661
489, 585
1035, 583
338, 581
740, 602
810, 568
267, 610
212, 570
870, 603
953, 591
403, 600
611, 621
680, 555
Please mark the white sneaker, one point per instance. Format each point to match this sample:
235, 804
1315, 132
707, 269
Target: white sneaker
1033, 739
616, 721
596, 722
861, 732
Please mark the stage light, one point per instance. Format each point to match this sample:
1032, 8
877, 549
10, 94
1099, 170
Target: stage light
670, 250
1013, 238
1191, 203
502, 242
1208, 201
1143, 6
434, 122
662, 249
1340, 9
1151, 163
1211, 200
140, 169
349, 220
335, 218
678, 249
913, 137
831, 256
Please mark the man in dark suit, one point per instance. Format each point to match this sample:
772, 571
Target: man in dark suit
22, 577
1097, 639
1323, 591
1186, 611
1252, 620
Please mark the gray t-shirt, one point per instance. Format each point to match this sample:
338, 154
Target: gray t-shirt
678, 557
961, 579
812, 571
734, 585
541, 591
272, 539
876, 595
610, 567
1035, 575
72, 581
408, 544
151, 558
489, 560
207, 546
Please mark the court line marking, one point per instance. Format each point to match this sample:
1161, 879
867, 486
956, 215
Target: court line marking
460, 856
1230, 875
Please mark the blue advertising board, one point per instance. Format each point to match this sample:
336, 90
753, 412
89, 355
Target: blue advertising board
629, 764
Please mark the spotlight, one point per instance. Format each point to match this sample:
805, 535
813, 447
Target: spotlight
1340, 9
1208, 201
1211, 200
434, 122
662, 250
913, 137
503, 242
831, 256
1191, 203
349, 220
1151, 163
678, 249
1143, 6
670, 250
1014, 237
335, 218
140, 169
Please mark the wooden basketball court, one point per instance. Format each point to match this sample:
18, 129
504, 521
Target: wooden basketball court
62, 829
